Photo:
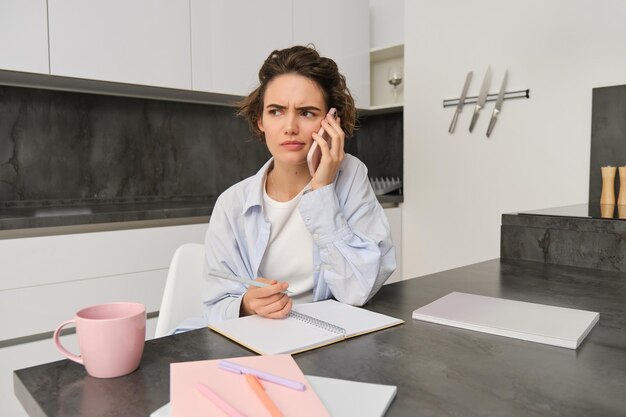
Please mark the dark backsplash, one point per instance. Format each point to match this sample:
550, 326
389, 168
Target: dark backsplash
57, 145
608, 136
378, 143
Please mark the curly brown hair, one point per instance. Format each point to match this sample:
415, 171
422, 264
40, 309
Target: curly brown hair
305, 61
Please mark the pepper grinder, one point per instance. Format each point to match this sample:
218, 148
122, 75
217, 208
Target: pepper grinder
608, 185
621, 200
607, 211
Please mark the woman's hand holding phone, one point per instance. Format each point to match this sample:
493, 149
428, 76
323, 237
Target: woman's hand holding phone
267, 301
332, 152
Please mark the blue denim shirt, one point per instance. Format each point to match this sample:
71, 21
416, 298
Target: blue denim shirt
353, 254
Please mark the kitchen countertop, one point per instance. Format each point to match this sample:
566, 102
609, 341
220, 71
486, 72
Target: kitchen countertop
584, 211
583, 235
105, 214
73, 213
439, 370
580, 217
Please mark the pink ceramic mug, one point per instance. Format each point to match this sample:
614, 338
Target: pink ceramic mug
110, 337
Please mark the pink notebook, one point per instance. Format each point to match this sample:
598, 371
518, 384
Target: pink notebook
187, 401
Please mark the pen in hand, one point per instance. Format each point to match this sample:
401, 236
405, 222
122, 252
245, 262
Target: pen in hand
245, 281
260, 392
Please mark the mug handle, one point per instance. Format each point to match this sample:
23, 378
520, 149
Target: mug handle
60, 347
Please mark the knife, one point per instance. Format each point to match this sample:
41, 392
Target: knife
459, 106
482, 97
498, 107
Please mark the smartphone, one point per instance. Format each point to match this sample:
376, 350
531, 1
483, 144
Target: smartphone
315, 153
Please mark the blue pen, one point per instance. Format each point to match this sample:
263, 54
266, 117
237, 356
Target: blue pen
245, 281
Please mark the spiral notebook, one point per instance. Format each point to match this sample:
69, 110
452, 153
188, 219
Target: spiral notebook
308, 326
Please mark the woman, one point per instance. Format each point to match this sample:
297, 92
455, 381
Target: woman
319, 236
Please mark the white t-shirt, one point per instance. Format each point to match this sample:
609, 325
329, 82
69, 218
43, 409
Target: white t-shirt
289, 253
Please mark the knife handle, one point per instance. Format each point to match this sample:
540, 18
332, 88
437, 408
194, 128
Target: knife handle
453, 124
474, 117
492, 122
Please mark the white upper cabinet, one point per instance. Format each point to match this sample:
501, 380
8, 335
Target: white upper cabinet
24, 36
214, 46
137, 42
339, 30
230, 39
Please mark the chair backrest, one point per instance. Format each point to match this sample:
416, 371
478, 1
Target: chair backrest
183, 288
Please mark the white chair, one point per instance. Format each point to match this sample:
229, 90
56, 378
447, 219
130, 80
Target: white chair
183, 288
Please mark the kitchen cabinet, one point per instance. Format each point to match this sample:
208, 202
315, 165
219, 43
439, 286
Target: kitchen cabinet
387, 43
339, 30
208, 46
394, 216
24, 36
231, 39
46, 279
137, 42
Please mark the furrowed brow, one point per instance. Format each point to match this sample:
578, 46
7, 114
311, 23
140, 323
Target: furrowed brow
305, 108
276, 106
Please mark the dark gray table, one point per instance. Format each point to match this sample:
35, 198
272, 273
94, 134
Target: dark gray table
439, 370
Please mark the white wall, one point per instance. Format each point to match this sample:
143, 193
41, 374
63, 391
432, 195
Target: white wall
457, 186
386, 23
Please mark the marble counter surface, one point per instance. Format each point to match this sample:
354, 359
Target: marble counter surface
439, 370
74, 213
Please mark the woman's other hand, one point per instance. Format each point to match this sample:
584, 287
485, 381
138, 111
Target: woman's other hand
267, 301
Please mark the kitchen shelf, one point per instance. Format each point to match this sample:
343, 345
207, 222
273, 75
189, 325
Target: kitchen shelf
382, 99
387, 52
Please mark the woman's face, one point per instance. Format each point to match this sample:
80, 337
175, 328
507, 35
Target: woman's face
293, 108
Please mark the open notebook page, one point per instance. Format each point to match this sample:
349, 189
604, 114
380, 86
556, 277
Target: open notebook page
273, 336
291, 335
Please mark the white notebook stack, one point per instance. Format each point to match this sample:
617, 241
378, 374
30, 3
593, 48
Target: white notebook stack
557, 326
342, 398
